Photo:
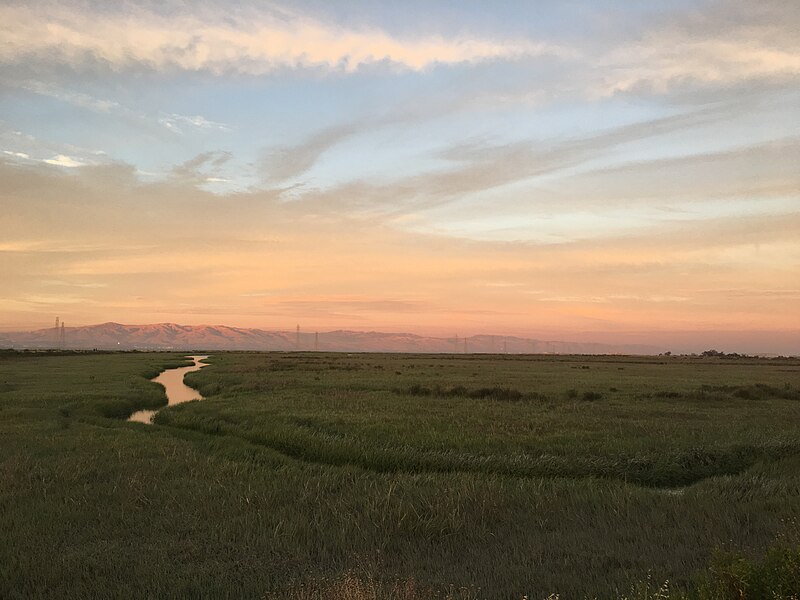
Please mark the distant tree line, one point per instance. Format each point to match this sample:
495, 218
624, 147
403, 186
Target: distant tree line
718, 354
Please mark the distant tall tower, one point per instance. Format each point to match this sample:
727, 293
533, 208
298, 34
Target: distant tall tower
63, 339
316, 341
505, 346
297, 341
465, 345
55, 333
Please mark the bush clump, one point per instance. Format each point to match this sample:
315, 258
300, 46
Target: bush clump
757, 391
459, 391
731, 576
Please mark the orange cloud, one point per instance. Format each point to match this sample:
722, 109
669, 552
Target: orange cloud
170, 252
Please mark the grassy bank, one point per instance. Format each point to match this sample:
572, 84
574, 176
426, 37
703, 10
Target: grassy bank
313, 475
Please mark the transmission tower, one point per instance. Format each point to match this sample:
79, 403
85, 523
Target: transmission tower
55, 333
465, 345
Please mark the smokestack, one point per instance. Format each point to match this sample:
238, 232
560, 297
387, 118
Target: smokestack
62, 341
55, 334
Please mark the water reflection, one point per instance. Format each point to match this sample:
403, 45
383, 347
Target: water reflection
177, 391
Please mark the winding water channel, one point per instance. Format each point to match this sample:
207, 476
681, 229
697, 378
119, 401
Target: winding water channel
177, 391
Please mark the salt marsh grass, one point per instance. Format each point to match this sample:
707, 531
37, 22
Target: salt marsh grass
399, 476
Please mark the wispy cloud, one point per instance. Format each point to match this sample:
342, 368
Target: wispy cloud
250, 43
755, 43
283, 163
22, 155
62, 160
204, 167
664, 61
79, 99
280, 164
721, 44
76, 284
25, 147
175, 122
480, 165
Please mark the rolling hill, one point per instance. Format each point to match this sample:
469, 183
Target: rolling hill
170, 336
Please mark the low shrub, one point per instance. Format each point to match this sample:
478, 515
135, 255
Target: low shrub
460, 391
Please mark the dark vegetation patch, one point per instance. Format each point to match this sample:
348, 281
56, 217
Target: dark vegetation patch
206, 388
734, 575
499, 393
122, 407
755, 391
293, 363
667, 394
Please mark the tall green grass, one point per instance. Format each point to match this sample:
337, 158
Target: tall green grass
316, 476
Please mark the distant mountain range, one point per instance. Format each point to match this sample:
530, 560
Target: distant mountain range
169, 336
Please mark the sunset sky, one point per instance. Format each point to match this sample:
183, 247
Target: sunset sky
596, 170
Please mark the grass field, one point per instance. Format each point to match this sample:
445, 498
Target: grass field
400, 476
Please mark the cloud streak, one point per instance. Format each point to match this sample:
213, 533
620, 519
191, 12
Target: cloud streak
62, 160
479, 167
287, 162
756, 43
174, 122
248, 43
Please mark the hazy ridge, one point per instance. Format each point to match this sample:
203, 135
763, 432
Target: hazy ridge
171, 336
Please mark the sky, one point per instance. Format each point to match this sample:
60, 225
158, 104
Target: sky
596, 170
